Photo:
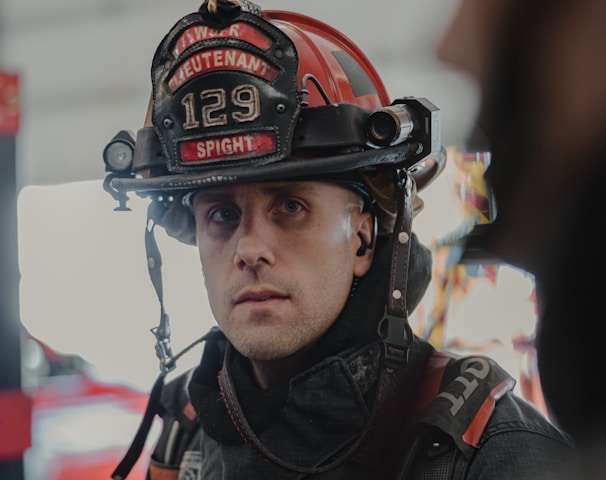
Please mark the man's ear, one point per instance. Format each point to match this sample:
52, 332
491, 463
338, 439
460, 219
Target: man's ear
366, 230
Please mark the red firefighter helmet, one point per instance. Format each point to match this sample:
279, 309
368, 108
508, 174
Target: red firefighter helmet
241, 94
338, 65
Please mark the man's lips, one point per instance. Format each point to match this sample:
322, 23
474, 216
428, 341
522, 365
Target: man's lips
259, 296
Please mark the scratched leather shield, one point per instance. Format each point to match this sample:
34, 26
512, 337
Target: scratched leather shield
224, 92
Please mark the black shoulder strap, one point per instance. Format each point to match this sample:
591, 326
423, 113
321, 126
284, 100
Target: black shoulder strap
469, 390
456, 399
134, 451
157, 406
443, 428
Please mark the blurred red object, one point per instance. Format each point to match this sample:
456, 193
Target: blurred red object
81, 426
9, 103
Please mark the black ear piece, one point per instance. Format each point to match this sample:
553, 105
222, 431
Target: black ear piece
363, 247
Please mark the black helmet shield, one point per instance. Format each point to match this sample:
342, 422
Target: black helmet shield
224, 95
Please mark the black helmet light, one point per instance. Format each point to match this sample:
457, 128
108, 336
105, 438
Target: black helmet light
119, 152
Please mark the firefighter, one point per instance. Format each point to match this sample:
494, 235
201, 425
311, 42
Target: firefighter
271, 144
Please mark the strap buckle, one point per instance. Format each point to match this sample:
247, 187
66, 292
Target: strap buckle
163, 348
394, 331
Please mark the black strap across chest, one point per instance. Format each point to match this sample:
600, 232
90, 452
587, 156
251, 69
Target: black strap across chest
228, 393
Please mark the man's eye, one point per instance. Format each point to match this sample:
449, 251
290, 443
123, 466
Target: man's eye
224, 215
292, 206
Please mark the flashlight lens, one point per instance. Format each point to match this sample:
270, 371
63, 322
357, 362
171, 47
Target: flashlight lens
383, 128
118, 156
389, 126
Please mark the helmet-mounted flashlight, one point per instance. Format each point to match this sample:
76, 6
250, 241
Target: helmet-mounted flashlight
390, 125
118, 156
119, 152
413, 119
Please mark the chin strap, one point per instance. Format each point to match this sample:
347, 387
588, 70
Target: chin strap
168, 361
394, 329
154, 267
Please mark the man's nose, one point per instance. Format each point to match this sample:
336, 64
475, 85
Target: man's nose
254, 243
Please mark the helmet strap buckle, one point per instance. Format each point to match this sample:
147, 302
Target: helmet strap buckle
394, 329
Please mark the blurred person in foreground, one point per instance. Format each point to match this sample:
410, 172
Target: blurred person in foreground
271, 144
541, 69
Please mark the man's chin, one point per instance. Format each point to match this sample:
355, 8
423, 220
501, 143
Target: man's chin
263, 345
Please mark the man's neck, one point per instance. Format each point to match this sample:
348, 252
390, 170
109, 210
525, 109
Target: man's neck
269, 373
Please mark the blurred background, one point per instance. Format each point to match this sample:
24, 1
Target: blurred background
85, 303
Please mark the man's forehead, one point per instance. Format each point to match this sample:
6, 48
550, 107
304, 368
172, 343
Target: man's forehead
311, 186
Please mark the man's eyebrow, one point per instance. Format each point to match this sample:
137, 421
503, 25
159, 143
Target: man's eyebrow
212, 195
227, 193
288, 187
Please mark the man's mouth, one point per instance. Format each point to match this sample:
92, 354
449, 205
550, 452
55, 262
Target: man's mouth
258, 296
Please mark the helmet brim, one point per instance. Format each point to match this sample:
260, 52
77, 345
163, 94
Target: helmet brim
399, 156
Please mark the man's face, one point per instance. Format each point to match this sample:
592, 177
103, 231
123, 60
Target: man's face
278, 260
